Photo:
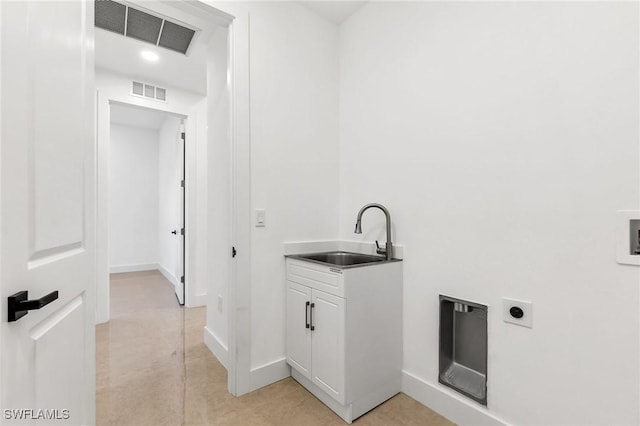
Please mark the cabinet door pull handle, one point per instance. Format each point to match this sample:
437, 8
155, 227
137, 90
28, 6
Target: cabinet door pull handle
311, 315
306, 315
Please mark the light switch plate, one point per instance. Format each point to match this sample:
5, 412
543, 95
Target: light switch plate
261, 219
527, 312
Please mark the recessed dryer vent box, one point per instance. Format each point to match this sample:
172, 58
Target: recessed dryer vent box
634, 237
628, 237
463, 347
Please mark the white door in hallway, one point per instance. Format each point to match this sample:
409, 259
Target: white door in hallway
179, 207
47, 199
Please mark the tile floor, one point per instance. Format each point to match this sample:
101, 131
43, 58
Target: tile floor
154, 369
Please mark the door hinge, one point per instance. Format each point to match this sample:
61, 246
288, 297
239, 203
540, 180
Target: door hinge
182, 279
182, 183
233, 252
182, 231
183, 136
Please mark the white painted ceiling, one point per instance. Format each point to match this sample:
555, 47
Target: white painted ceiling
138, 117
119, 54
334, 10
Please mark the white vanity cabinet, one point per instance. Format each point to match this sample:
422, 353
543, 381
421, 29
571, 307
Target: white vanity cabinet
344, 333
322, 342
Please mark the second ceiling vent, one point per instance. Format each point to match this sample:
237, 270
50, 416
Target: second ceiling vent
148, 91
134, 23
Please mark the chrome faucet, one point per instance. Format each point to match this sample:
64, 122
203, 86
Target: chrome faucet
388, 250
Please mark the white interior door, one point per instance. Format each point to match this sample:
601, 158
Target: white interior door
180, 207
47, 210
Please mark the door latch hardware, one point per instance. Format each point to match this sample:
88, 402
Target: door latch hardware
233, 252
18, 305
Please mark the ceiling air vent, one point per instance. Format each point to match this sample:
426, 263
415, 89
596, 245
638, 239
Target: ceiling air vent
143, 26
134, 23
175, 37
110, 16
161, 94
137, 88
148, 91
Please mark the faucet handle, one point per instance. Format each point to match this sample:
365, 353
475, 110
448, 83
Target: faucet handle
379, 249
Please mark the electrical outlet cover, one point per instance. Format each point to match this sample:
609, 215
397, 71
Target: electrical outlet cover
527, 309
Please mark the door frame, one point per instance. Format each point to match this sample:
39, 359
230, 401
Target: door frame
240, 379
235, 18
105, 99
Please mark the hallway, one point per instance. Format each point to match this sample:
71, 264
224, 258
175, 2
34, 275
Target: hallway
152, 368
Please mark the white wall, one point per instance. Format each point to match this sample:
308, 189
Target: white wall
218, 209
197, 221
292, 163
169, 209
133, 194
503, 137
294, 154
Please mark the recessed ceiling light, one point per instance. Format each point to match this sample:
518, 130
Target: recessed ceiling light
149, 56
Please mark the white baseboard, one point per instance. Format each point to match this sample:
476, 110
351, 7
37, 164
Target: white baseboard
168, 275
118, 269
268, 373
196, 301
216, 347
445, 402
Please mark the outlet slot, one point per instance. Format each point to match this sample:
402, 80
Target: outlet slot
517, 312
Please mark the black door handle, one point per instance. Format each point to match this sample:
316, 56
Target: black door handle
174, 232
18, 305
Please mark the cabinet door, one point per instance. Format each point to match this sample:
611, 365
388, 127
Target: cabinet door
327, 350
298, 335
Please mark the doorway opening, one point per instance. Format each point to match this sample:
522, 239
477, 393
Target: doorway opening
202, 85
147, 193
